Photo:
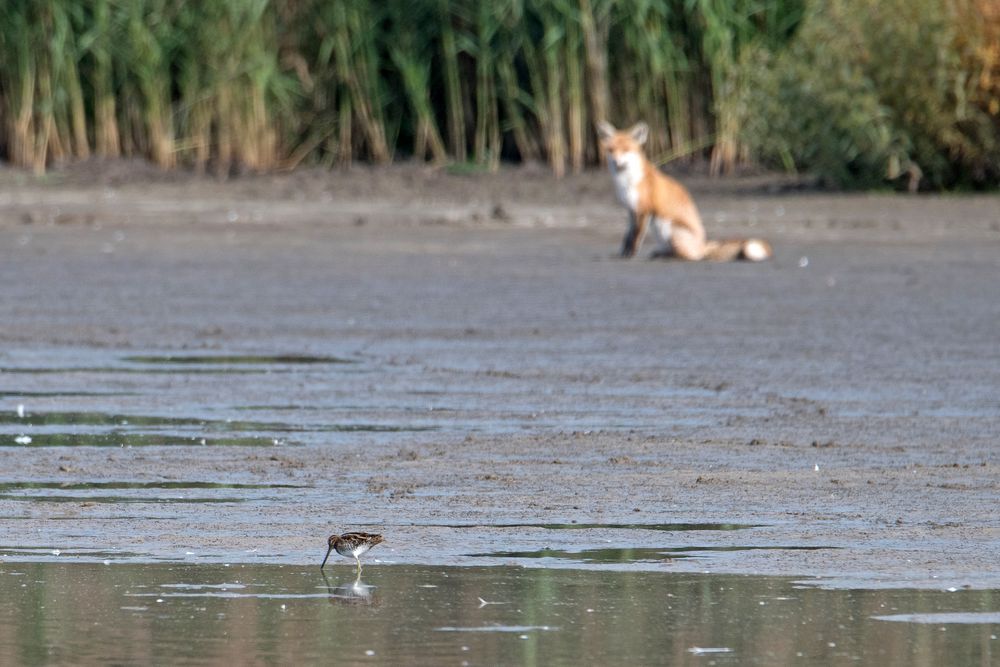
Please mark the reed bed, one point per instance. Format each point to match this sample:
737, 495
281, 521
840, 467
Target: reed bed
898, 92
229, 85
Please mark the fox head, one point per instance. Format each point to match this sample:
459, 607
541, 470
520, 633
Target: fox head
623, 147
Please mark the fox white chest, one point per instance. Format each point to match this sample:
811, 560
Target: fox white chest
627, 174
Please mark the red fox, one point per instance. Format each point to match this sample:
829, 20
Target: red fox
652, 197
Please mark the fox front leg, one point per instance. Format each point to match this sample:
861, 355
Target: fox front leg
636, 232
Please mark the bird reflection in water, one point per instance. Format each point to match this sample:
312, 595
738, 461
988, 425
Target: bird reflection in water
354, 593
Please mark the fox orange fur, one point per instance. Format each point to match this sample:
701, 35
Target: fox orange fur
654, 199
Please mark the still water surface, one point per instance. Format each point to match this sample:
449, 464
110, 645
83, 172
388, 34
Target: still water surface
54, 613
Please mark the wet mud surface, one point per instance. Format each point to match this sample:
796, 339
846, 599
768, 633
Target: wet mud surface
208, 372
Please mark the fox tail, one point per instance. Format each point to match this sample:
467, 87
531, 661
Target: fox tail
751, 250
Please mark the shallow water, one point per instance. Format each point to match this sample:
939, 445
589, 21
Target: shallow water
68, 422
666, 527
53, 385
53, 613
236, 359
116, 439
162, 492
634, 555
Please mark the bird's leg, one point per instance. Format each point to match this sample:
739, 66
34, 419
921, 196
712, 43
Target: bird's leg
359, 565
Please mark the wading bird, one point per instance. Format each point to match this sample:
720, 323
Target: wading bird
351, 545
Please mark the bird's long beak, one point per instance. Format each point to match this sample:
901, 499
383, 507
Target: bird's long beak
329, 549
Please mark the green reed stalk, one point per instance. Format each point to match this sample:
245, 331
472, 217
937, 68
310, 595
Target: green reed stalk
107, 141
487, 135
594, 26
356, 59
513, 101
416, 79
575, 86
548, 87
455, 104
149, 69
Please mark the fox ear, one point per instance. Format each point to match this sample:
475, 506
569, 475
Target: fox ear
605, 130
640, 132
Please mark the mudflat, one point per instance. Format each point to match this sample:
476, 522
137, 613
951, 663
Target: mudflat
231, 371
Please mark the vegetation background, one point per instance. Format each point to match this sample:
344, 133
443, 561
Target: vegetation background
861, 93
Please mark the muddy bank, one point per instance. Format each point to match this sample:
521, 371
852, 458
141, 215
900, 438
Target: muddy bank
506, 374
